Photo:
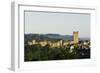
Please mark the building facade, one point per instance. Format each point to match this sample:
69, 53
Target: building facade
75, 37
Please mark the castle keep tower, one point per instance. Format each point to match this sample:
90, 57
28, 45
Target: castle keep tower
75, 37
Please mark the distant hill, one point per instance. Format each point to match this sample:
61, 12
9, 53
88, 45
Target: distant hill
58, 36
47, 37
51, 37
84, 38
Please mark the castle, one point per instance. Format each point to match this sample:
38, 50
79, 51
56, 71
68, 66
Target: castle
59, 43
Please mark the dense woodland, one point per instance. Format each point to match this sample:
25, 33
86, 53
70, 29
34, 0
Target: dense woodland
39, 53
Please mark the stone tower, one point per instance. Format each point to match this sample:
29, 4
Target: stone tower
75, 37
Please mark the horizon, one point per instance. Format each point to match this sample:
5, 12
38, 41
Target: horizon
55, 34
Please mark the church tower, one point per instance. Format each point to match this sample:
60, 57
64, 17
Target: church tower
75, 37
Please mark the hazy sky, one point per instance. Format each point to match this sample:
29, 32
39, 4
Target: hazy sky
61, 23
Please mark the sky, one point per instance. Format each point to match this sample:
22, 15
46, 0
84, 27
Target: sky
57, 23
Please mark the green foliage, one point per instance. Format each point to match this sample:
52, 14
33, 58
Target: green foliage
39, 53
